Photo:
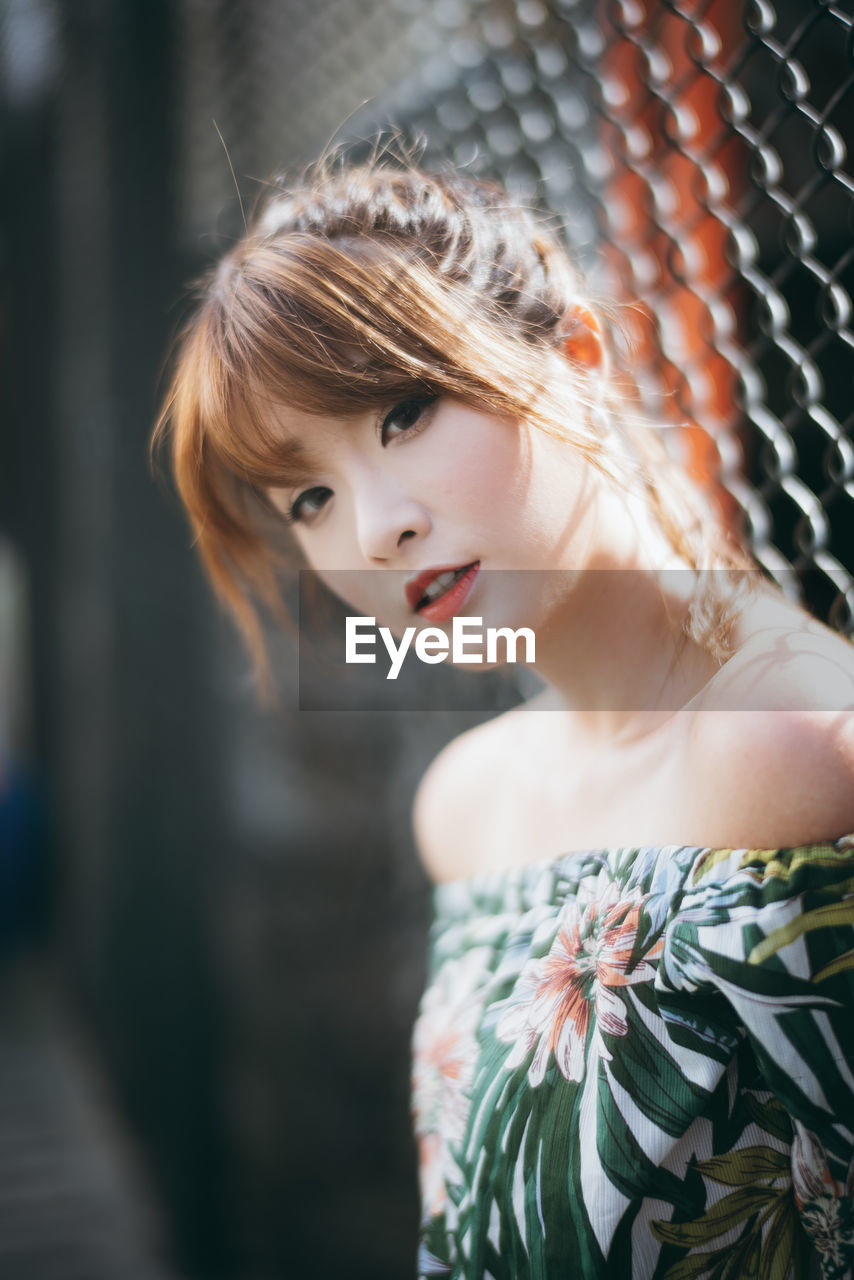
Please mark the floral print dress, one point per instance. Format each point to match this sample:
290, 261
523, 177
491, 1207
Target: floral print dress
640, 1063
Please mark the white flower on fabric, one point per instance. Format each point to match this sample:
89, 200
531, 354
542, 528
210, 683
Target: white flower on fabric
825, 1206
584, 970
444, 1051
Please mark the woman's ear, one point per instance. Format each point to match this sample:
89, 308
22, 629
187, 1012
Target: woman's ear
583, 342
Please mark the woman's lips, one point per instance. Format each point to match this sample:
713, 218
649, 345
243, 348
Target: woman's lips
451, 601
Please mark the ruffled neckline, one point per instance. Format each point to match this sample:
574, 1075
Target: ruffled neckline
530, 882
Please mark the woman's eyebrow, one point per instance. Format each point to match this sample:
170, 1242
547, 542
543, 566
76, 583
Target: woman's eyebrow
292, 462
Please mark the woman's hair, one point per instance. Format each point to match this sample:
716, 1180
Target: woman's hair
364, 284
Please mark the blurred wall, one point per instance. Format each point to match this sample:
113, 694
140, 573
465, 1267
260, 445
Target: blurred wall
235, 902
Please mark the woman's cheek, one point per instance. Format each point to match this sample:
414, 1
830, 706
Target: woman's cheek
349, 587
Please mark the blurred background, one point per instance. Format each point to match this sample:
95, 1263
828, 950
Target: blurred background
212, 923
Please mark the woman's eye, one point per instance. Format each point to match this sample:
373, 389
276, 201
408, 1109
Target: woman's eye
309, 503
408, 416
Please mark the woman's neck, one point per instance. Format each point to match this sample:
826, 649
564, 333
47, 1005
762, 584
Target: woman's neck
615, 652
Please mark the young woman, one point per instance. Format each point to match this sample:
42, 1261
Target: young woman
635, 1056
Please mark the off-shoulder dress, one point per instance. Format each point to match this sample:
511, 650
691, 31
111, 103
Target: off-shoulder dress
639, 1063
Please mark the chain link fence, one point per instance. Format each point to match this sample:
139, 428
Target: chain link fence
697, 151
699, 157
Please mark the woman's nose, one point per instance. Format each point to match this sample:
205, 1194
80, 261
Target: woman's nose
386, 521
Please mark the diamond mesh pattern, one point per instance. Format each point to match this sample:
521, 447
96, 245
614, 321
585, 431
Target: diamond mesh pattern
698, 152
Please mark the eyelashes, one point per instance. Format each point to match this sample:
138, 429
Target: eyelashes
406, 419
407, 415
309, 503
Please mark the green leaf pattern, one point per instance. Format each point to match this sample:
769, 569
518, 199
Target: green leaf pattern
640, 1063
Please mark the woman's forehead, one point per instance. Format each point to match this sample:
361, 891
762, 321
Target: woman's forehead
302, 429
297, 440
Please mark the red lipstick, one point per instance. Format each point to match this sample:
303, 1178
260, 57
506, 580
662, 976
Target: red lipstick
441, 607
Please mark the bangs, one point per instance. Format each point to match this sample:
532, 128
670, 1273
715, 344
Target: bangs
337, 329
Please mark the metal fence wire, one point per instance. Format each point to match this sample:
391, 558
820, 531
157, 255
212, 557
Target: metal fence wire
698, 153
699, 158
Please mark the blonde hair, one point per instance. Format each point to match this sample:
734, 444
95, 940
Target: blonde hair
361, 285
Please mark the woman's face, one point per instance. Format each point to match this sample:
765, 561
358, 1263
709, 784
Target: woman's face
385, 505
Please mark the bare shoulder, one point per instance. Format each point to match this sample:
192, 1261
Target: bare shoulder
787, 661
773, 745
449, 808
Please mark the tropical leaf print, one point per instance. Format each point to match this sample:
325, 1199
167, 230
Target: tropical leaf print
591, 962
638, 1064
444, 1050
754, 1208
834, 913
